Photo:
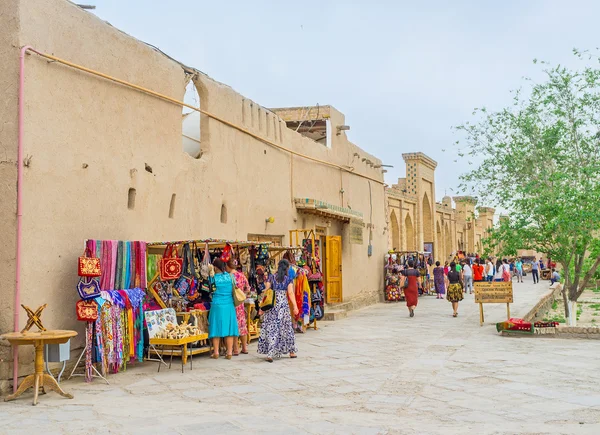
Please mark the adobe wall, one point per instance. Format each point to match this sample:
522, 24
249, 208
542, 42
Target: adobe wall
90, 141
9, 70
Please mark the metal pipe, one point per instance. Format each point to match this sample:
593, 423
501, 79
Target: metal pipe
19, 208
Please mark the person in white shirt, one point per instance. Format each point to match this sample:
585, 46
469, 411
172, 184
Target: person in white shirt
467, 272
489, 270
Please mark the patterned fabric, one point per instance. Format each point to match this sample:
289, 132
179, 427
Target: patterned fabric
276, 334
241, 282
240, 313
455, 293
438, 280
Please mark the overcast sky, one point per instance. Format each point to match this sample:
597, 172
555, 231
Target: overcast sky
403, 72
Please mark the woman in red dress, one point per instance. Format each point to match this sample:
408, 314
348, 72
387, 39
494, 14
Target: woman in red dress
411, 291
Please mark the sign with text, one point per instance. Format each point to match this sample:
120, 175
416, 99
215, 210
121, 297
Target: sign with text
355, 230
493, 292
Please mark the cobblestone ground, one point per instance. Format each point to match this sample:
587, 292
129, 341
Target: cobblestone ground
377, 371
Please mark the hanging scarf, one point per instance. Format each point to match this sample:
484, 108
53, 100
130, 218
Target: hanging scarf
136, 297
138, 265
126, 266
144, 270
119, 266
113, 265
88, 351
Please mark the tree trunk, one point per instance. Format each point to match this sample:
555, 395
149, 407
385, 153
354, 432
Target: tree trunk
573, 313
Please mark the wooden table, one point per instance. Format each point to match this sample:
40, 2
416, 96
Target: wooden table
183, 344
39, 378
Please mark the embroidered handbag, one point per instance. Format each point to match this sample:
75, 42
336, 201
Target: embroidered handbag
88, 289
315, 277
171, 265
87, 311
267, 300
238, 294
89, 266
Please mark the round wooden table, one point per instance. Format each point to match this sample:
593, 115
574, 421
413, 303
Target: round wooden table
39, 378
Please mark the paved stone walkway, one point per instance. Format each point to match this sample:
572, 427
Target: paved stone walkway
377, 371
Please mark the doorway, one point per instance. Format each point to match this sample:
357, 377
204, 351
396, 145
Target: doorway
331, 262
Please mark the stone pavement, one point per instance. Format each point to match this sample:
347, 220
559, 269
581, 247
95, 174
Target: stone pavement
376, 372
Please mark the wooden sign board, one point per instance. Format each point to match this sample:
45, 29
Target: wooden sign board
355, 229
493, 293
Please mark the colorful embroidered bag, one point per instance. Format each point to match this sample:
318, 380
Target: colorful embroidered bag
87, 311
88, 289
89, 266
171, 265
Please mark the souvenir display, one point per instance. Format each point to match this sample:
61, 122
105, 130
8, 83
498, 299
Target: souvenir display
87, 311
89, 266
171, 265
122, 264
515, 325
88, 288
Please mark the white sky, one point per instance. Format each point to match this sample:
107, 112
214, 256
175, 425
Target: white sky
403, 72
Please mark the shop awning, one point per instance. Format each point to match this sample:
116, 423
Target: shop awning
322, 208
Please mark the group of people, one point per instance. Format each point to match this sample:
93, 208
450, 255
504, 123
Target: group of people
228, 322
457, 277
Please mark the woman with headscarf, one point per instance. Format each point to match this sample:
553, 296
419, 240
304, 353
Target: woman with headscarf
241, 282
439, 280
222, 322
276, 333
411, 283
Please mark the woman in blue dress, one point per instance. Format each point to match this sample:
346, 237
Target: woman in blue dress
222, 321
276, 333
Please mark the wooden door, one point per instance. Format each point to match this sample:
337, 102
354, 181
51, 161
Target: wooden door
333, 269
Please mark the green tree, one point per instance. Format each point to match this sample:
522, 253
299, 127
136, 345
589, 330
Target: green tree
540, 161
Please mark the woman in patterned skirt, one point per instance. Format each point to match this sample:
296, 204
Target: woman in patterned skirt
276, 333
455, 288
241, 282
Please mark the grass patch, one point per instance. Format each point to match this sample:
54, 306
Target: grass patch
596, 290
595, 306
579, 311
556, 318
554, 305
593, 320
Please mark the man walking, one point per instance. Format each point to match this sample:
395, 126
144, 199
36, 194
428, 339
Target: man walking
535, 272
519, 270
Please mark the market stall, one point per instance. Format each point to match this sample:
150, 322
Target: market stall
395, 262
188, 289
111, 287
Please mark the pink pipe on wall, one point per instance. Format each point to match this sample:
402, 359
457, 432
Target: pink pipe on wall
19, 208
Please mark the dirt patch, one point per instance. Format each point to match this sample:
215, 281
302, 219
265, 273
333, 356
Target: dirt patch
588, 309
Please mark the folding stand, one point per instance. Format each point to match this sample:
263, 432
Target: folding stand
87, 343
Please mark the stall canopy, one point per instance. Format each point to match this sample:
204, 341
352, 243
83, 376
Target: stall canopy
158, 248
322, 208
